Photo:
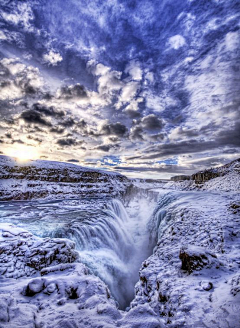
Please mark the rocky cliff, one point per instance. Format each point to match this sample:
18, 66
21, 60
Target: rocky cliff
222, 178
38, 179
206, 175
180, 178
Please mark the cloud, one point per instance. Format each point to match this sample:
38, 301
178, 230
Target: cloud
134, 70
162, 80
68, 123
73, 160
107, 147
34, 117
68, 142
19, 141
146, 125
117, 129
151, 122
176, 42
73, 91
52, 58
104, 148
48, 111
57, 129
136, 133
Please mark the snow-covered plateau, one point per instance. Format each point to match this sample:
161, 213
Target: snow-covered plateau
49, 179
75, 262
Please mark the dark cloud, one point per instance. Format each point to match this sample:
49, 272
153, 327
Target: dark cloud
57, 129
132, 113
157, 137
177, 148
82, 123
73, 161
148, 124
231, 151
29, 89
47, 96
117, 129
225, 138
34, 117
35, 139
151, 122
8, 135
48, 111
73, 91
5, 84
4, 71
68, 123
136, 133
17, 141
230, 137
161, 169
68, 142
106, 148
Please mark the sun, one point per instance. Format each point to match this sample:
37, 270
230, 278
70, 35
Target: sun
23, 153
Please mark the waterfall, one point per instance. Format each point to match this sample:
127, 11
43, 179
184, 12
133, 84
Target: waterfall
111, 241
155, 224
105, 245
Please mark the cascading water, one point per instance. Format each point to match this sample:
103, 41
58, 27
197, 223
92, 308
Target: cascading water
105, 245
110, 242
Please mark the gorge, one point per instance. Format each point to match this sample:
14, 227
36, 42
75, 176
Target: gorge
160, 258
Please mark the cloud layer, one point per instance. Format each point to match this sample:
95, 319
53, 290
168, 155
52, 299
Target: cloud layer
134, 86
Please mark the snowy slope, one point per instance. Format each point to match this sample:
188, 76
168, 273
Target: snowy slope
223, 178
46, 179
193, 277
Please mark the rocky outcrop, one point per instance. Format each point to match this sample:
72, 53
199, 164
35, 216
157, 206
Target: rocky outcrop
223, 178
206, 175
195, 258
22, 254
180, 178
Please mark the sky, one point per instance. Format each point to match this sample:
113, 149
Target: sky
149, 89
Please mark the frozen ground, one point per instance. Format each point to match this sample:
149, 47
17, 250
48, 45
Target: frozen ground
202, 287
74, 263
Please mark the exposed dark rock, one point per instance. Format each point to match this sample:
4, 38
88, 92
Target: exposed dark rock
195, 258
180, 178
206, 175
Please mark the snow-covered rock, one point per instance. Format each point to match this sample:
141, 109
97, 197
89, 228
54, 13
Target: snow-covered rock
46, 179
22, 254
44, 285
223, 178
192, 278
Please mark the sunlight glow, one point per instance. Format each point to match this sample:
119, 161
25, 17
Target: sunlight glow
23, 153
